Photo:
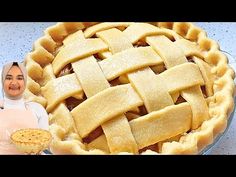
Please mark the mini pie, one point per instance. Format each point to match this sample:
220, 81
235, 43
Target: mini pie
130, 88
31, 141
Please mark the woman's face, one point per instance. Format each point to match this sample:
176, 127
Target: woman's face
14, 84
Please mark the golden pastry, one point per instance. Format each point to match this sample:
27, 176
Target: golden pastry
31, 141
131, 88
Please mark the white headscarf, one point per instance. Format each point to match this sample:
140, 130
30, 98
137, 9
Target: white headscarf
5, 70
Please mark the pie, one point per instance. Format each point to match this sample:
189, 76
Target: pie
130, 87
31, 141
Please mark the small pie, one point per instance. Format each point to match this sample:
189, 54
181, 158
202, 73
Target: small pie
130, 87
31, 141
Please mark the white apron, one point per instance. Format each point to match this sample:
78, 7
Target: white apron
10, 121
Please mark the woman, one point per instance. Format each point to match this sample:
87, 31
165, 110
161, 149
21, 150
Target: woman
15, 112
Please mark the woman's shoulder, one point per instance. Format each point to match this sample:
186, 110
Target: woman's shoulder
35, 105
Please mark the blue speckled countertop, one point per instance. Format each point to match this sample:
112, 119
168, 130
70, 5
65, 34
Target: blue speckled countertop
16, 40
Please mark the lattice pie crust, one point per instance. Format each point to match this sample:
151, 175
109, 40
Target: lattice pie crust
130, 88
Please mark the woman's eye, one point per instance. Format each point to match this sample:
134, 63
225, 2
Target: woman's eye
20, 78
8, 78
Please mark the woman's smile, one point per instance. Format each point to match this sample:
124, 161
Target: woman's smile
13, 87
